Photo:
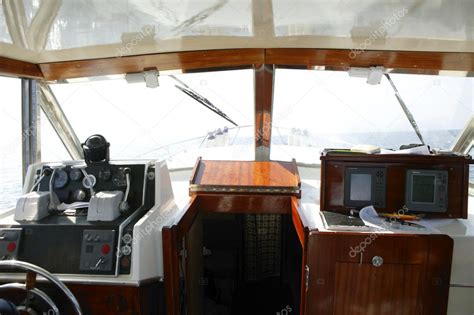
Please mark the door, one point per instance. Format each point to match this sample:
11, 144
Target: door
182, 260
375, 274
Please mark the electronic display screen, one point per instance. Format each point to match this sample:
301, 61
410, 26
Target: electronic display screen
361, 187
423, 188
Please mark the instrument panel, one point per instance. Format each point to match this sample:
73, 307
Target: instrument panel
72, 184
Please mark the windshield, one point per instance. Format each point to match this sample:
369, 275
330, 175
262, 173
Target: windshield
314, 110
164, 122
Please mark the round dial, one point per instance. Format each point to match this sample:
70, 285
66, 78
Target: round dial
89, 181
105, 174
119, 179
79, 195
75, 174
60, 179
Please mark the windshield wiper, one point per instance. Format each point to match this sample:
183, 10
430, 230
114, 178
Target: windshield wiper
201, 99
407, 112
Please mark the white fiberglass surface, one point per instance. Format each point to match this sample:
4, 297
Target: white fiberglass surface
314, 110
163, 122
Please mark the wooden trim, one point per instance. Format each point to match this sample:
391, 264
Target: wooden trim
17, 68
351, 58
191, 210
222, 58
264, 79
244, 204
438, 275
171, 270
195, 170
298, 222
168, 61
171, 238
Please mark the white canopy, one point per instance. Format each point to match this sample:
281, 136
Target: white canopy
58, 30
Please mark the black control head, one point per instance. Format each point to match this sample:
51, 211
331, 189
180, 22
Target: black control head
96, 149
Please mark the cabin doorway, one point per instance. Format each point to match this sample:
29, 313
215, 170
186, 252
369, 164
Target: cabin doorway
233, 262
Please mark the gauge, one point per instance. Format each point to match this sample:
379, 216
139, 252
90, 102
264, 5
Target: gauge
105, 174
89, 181
75, 174
119, 179
79, 195
60, 179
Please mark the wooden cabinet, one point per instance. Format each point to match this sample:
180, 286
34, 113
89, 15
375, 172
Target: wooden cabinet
362, 273
341, 273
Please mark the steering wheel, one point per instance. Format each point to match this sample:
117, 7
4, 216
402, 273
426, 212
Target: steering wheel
29, 286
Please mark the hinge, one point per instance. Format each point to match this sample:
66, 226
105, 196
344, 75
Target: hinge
306, 277
183, 253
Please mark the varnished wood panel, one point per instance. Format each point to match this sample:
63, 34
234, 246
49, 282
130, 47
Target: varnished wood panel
248, 204
414, 278
389, 59
17, 68
172, 242
264, 78
166, 61
246, 57
391, 289
247, 174
321, 259
333, 170
394, 249
438, 274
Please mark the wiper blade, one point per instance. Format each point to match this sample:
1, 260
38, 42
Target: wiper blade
201, 99
407, 112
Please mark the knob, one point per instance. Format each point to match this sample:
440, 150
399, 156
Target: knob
79, 195
89, 181
75, 174
126, 250
105, 174
127, 238
377, 261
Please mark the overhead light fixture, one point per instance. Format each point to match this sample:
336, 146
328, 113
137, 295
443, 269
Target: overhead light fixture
373, 74
150, 77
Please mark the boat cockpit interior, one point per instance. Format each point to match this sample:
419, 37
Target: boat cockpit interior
236, 157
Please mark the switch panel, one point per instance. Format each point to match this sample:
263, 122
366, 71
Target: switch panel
9, 243
97, 252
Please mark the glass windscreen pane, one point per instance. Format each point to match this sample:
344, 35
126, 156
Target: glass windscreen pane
10, 142
52, 149
164, 122
134, 24
373, 20
314, 110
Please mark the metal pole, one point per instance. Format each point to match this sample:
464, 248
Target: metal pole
30, 125
59, 121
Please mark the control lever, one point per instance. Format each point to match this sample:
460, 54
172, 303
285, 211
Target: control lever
89, 180
99, 263
124, 203
44, 173
53, 198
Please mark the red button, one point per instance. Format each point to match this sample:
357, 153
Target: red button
105, 249
11, 247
